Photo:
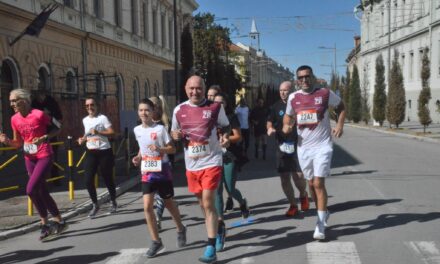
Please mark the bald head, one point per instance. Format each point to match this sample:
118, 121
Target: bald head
285, 88
195, 89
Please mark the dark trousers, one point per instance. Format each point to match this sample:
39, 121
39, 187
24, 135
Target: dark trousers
104, 160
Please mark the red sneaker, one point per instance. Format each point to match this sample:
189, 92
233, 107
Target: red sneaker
292, 211
305, 202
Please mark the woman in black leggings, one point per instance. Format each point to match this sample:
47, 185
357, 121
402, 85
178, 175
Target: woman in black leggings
97, 129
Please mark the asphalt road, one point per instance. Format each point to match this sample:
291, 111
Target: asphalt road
383, 195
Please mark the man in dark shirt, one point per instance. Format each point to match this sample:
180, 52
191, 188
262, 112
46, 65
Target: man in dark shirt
287, 160
258, 118
48, 105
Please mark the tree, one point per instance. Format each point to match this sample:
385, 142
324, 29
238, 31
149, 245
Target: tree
425, 93
186, 58
355, 96
365, 106
379, 97
396, 102
346, 95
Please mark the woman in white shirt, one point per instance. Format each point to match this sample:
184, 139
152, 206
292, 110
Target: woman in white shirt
97, 129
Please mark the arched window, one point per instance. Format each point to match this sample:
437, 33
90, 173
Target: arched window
147, 88
71, 86
44, 82
100, 84
156, 88
120, 91
135, 93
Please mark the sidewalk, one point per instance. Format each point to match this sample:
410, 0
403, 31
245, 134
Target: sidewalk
406, 129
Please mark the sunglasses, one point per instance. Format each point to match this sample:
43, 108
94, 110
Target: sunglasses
89, 105
304, 77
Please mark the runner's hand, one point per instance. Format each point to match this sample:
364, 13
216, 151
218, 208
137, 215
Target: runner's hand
224, 141
3, 138
337, 131
176, 135
136, 160
270, 131
287, 129
81, 140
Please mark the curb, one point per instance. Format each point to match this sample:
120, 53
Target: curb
420, 138
77, 210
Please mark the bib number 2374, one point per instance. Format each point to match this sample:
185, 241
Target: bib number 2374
198, 149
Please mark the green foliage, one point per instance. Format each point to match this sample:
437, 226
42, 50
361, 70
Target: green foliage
211, 51
425, 93
379, 97
355, 96
186, 58
365, 107
346, 95
396, 95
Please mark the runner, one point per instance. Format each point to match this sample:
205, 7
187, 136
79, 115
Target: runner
242, 112
154, 146
287, 159
213, 91
29, 128
308, 110
195, 122
229, 174
97, 129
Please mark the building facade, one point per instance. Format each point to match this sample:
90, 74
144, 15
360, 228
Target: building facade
408, 28
117, 50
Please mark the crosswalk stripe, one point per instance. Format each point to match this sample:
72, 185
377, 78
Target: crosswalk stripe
427, 250
332, 252
128, 256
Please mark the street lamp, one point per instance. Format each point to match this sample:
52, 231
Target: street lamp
334, 49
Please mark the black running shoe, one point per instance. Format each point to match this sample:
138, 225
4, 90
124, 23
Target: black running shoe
45, 232
244, 209
155, 248
181, 238
229, 204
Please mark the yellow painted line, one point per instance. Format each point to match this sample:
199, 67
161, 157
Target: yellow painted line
81, 159
80, 172
8, 161
7, 148
55, 178
58, 166
57, 143
9, 188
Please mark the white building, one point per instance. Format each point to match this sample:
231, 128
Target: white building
409, 27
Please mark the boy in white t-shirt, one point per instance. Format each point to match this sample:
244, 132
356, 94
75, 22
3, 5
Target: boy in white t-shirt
154, 145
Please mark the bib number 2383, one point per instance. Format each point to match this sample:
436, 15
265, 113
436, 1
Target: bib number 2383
198, 149
151, 164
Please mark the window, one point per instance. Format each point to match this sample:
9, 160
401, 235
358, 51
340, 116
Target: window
69, 3
118, 12
162, 30
421, 53
403, 64
134, 17
97, 9
155, 27
70, 82
411, 65
147, 88
170, 35
145, 12
409, 104
135, 94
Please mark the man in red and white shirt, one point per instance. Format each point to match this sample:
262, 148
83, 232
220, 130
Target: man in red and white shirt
196, 123
307, 108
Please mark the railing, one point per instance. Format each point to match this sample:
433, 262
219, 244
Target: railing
70, 169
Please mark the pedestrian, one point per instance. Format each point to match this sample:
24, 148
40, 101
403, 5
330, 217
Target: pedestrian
154, 146
30, 131
97, 130
258, 117
286, 156
307, 109
213, 91
46, 103
242, 112
230, 174
195, 123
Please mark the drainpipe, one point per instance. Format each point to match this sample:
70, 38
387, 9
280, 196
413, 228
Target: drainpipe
83, 46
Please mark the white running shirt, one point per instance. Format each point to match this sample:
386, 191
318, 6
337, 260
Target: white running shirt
99, 123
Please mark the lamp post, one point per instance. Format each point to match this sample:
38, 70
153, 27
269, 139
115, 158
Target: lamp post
176, 54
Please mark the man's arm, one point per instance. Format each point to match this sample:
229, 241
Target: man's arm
338, 130
288, 124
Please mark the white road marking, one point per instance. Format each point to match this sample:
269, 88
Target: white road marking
332, 253
128, 256
427, 250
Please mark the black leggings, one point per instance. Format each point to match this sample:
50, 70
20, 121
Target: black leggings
105, 160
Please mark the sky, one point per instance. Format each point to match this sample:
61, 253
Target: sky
292, 31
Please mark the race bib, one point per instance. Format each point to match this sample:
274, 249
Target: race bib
30, 148
151, 164
198, 149
287, 147
93, 142
307, 117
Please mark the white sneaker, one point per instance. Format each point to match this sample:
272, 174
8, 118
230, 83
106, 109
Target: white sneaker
327, 216
319, 233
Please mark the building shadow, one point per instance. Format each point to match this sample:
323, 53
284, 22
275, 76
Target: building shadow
24, 255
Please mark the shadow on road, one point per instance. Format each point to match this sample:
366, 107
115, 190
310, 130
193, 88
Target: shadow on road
80, 258
342, 158
349, 205
24, 255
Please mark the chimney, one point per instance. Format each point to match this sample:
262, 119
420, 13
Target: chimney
357, 41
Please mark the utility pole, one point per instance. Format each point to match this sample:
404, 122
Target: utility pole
176, 57
389, 42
